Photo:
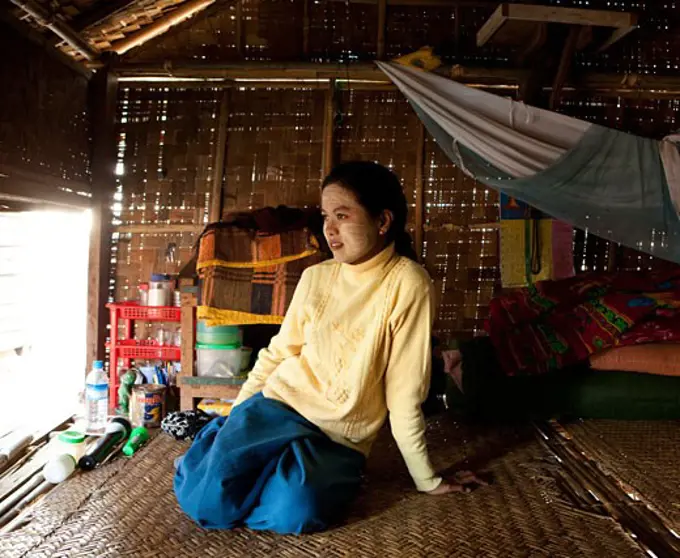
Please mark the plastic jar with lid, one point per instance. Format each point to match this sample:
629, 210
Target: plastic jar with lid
70, 442
160, 290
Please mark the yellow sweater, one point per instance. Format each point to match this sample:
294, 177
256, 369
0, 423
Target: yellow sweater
355, 345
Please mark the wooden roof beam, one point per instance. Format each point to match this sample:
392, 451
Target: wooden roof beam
160, 26
58, 27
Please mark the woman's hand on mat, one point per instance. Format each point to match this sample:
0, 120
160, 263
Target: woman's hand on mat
464, 481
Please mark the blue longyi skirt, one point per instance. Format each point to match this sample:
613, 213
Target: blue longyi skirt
268, 468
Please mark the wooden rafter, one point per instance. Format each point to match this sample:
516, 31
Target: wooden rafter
368, 76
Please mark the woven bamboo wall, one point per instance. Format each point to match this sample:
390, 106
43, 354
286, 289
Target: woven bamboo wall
44, 128
274, 156
166, 140
379, 126
275, 136
460, 244
274, 148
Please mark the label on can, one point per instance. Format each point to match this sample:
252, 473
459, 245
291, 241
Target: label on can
147, 405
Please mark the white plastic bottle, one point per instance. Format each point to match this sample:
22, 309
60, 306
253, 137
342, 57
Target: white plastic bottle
96, 398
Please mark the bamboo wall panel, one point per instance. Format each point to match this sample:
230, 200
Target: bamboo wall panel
44, 127
274, 148
272, 29
460, 245
166, 140
412, 27
379, 126
342, 31
165, 154
137, 256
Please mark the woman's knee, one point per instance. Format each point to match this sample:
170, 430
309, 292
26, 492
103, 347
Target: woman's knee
292, 510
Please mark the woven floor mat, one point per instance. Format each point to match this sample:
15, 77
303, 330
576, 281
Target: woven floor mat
642, 454
128, 509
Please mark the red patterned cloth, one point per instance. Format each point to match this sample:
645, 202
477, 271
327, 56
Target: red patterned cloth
554, 324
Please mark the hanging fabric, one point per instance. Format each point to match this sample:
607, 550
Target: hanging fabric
619, 186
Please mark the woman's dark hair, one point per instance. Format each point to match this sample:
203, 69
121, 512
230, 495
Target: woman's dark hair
377, 189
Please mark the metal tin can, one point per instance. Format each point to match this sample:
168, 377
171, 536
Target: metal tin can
147, 405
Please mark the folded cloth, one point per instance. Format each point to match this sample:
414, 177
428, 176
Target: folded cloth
556, 324
657, 358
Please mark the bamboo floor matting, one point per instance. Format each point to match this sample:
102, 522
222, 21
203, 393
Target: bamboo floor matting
645, 455
127, 508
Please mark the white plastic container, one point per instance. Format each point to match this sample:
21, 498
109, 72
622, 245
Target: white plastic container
161, 290
70, 442
218, 361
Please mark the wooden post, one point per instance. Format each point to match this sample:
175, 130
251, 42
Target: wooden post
215, 212
102, 106
328, 131
420, 194
382, 22
188, 328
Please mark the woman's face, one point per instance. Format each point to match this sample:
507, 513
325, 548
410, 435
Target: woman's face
353, 235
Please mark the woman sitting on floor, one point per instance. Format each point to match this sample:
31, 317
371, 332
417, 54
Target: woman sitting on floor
354, 345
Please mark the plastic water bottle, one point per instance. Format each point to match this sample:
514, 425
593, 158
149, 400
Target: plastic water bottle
96, 398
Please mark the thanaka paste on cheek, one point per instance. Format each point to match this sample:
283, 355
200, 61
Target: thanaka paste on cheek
359, 239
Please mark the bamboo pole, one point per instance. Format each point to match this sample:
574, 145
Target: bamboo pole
215, 213
59, 27
159, 228
366, 75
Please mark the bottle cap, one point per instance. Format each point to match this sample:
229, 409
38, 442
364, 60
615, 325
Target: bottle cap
71, 437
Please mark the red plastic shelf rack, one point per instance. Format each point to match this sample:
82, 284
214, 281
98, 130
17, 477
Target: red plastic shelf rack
149, 350
128, 348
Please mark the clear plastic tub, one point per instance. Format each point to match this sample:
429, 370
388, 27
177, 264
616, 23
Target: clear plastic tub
218, 361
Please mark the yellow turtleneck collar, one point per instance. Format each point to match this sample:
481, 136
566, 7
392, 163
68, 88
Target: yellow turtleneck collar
374, 264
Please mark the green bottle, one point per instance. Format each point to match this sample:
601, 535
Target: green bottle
137, 439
